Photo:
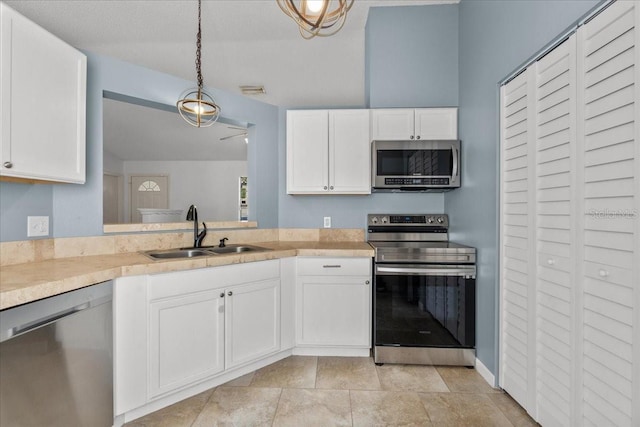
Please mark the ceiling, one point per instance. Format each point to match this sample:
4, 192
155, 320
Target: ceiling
244, 42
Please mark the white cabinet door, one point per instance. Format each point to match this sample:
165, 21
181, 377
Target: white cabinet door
392, 124
334, 302
334, 311
436, 123
43, 103
349, 152
186, 340
307, 151
252, 322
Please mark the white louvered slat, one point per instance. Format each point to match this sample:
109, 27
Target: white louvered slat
609, 249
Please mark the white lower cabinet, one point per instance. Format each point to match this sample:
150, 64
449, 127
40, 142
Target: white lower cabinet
176, 330
333, 306
186, 339
252, 320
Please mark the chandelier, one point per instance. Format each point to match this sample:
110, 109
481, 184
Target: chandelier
320, 18
195, 105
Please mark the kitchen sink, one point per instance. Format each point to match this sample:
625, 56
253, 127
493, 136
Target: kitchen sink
204, 251
235, 249
178, 253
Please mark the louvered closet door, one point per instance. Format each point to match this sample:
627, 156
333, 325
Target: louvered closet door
517, 270
608, 172
555, 77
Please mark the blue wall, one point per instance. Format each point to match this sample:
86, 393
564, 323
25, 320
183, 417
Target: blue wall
411, 60
76, 210
495, 38
412, 56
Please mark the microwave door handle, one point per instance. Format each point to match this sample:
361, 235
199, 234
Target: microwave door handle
454, 152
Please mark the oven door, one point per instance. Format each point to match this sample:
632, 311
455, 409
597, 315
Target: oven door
408, 164
424, 305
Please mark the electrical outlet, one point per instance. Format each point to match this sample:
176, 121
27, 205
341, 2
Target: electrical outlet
327, 222
37, 226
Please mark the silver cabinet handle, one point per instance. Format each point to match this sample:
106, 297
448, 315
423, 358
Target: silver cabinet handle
221, 294
367, 282
331, 188
418, 137
8, 165
331, 266
325, 187
411, 137
230, 293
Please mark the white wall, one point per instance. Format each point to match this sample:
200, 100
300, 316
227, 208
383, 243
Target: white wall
210, 185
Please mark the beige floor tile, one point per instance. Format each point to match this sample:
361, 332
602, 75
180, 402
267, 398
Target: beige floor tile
292, 372
465, 380
510, 408
239, 406
410, 378
179, 414
343, 373
242, 381
387, 408
463, 410
311, 407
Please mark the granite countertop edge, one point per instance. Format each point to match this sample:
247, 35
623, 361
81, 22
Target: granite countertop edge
24, 283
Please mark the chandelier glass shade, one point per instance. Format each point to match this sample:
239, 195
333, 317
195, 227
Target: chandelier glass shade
196, 106
320, 18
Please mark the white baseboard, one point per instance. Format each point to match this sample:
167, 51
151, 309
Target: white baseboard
485, 373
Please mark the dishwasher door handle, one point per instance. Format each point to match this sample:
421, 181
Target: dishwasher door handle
17, 330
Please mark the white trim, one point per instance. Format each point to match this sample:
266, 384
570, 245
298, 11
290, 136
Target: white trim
486, 373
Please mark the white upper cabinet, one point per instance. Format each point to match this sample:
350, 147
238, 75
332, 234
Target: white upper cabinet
43, 104
408, 123
328, 152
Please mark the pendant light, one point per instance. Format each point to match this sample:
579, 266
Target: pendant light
320, 18
196, 106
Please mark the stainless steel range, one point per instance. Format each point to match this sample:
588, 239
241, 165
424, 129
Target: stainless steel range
424, 291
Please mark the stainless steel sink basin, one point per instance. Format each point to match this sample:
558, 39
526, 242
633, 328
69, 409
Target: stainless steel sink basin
204, 251
235, 249
178, 253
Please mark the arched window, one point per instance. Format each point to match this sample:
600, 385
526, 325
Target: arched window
149, 186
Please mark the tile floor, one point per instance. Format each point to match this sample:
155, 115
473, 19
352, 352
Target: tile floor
345, 391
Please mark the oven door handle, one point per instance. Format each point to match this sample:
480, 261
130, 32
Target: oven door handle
467, 271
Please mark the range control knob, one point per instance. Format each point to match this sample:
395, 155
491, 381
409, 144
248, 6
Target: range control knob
374, 220
440, 220
385, 219
430, 220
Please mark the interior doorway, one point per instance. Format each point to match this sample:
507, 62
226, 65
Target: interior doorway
151, 192
112, 199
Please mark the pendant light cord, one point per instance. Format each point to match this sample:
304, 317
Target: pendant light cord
198, 48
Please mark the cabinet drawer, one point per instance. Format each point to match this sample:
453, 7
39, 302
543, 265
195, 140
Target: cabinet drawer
334, 266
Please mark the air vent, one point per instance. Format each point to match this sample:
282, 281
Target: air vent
253, 90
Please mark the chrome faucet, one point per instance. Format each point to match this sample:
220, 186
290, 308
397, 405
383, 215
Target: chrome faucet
192, 215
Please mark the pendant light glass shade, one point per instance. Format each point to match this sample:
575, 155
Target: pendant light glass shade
320, 18
196, 106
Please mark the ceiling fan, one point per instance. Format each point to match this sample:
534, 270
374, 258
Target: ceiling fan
242, 134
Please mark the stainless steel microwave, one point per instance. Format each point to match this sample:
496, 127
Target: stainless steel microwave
418, 165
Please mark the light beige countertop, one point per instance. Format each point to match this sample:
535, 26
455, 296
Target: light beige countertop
30, 281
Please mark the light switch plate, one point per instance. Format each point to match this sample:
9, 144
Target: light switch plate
37, 226
327, 222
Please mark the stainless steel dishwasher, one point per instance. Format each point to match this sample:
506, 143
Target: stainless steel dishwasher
56, 360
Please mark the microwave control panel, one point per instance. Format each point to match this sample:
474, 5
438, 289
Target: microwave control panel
416, 181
